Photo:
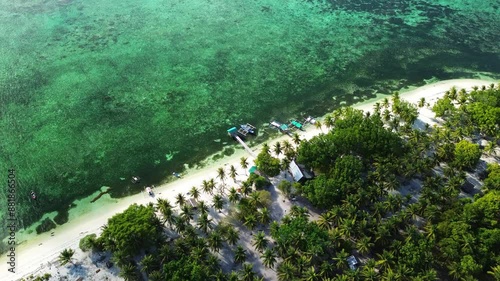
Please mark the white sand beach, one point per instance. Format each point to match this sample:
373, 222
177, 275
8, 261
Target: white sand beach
39, 254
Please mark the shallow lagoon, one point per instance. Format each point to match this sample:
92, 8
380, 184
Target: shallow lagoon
92, 92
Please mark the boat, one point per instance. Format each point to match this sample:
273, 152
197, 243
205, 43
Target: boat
310, 120
136, 179
275, 124
248, 128
297, 124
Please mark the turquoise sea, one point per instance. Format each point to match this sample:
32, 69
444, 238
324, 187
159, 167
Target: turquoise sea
93, 92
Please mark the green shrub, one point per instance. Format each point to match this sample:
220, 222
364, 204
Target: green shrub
89, 242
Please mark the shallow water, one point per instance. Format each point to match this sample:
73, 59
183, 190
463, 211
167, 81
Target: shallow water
94, 91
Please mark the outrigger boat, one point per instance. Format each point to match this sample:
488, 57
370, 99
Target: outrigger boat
135, 179
296, 124
248, 128
310, 119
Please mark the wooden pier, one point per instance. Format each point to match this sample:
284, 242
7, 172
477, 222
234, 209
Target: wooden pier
235, 134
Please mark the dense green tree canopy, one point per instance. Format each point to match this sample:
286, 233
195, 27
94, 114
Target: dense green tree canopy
492, 181
353, 134
267, 164
344, 178
466, 155
134, 229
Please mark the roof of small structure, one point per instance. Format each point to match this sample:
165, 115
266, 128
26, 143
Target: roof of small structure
299, 171
284, 127
296, 172
252, 169
352, 261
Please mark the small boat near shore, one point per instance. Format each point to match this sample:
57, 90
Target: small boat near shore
248, 128
296, 124
310, 119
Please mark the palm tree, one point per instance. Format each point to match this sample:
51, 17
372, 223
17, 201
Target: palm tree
240, 254
277, 148
254, 199
296, 139
220, 276
329, 121
186, 213
303, 261
165, 208
395, 98
233, 276
260, 241
268, 258
285, 163
341, 259
218, 202
265, 148
247, 273
244, 163
202, 207
195, 193
232, 235
180, 199
385, 260
490, 148
215, 241
246, 188
204, 223
264, 216
287, 146
298, 212
310, 274
326, 220
206, 187
234, 196
286, 271
128, 272
386, 115
232, 173
385, 103
148, 264
364, 245
369, 274
221, 174
156, 276
211, 184
179, 224
454, 270
421, 102
66, 256
495, 272
250, 221
318, 125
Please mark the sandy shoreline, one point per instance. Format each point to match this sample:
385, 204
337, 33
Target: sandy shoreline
34, 254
